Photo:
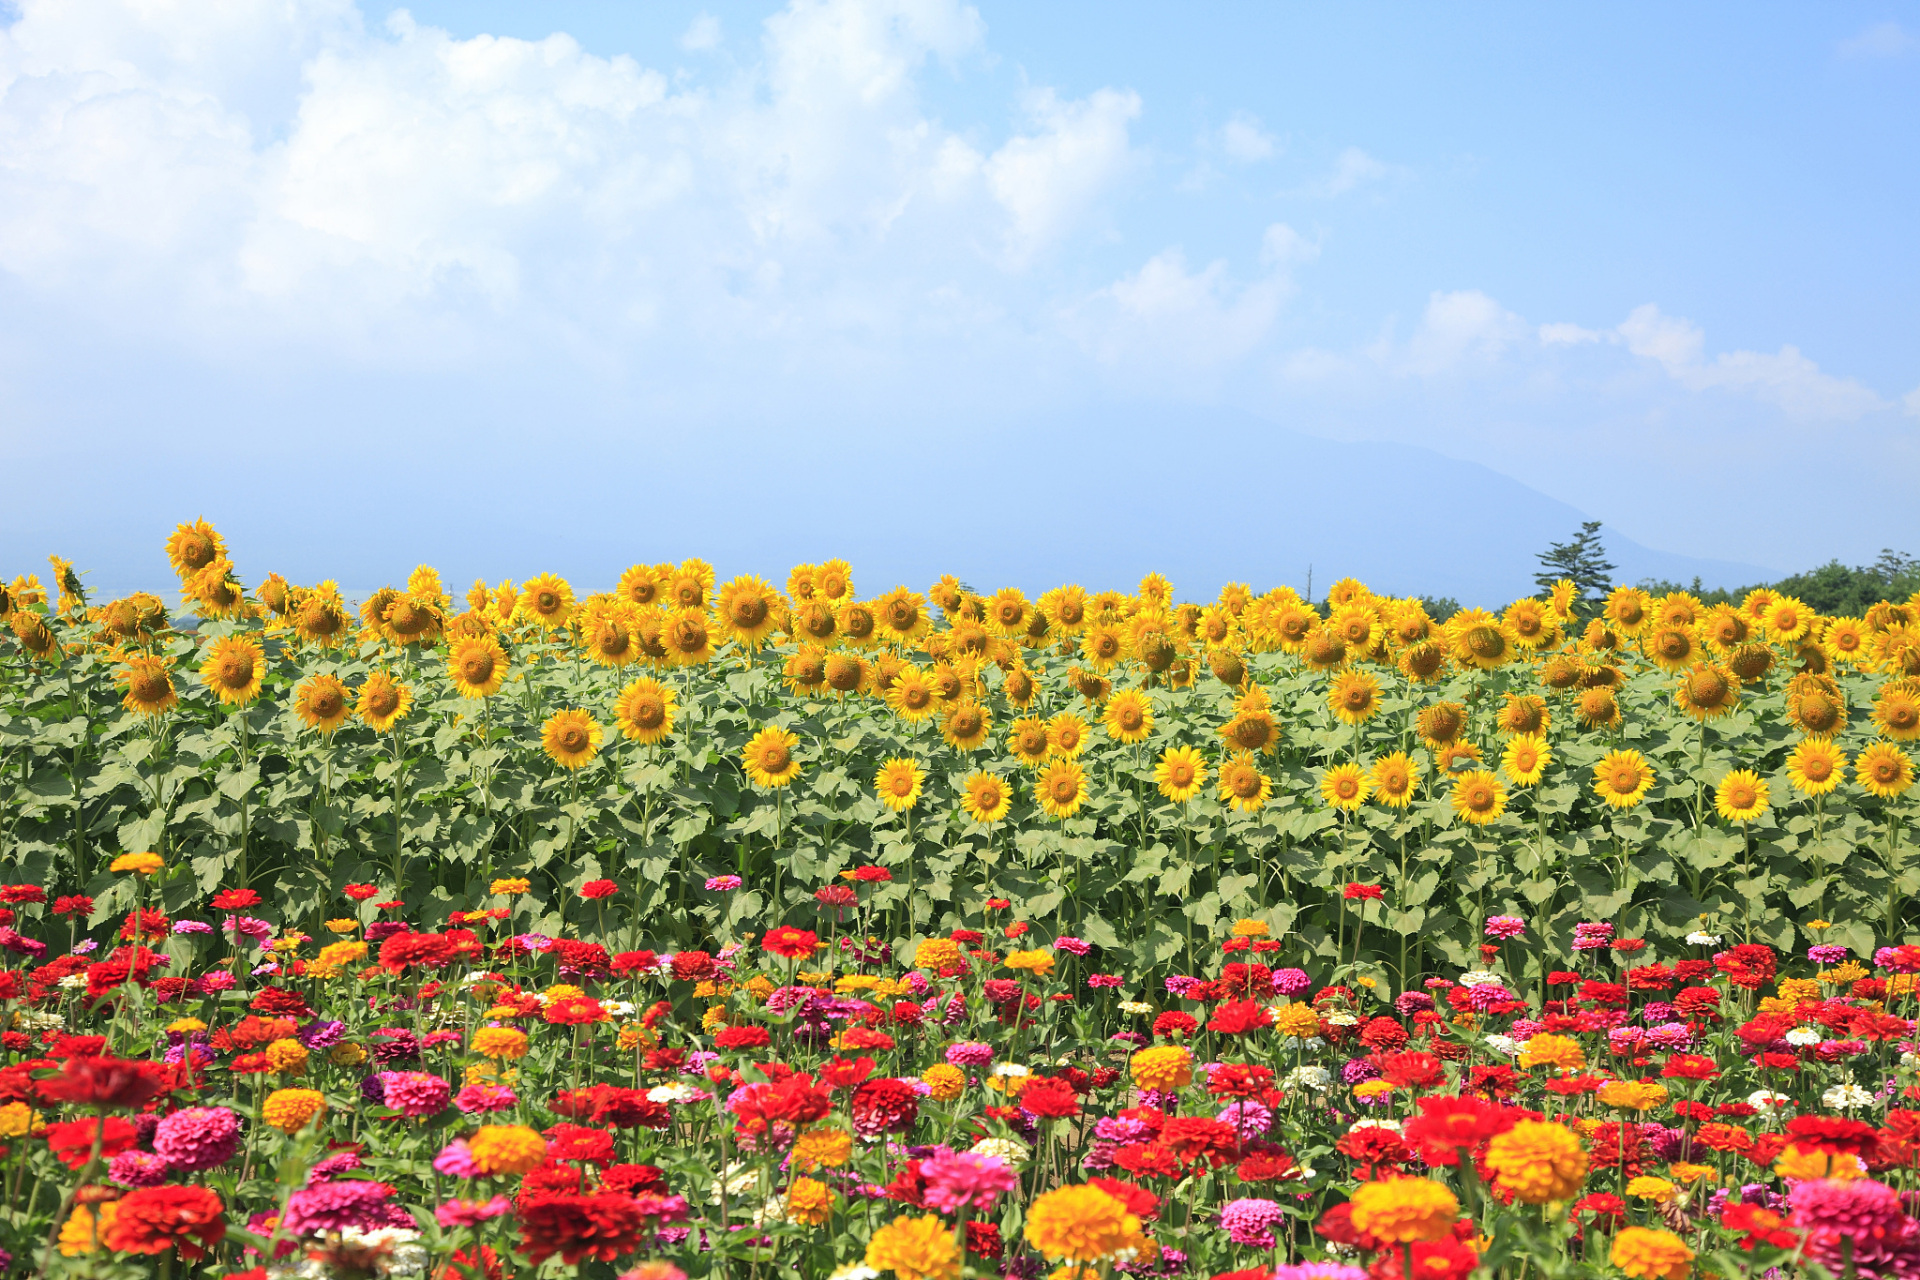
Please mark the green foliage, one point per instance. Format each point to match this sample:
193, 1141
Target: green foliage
1583, 560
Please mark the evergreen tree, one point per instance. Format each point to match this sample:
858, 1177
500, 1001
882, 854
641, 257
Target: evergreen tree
1583, 560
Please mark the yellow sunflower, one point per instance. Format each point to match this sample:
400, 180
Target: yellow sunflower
1627, 610
1482, 641
1847, 640
913, 696
965, 724
234, 670
687, 637
319, 617
1816, 766
1393, 778
769, 757
149, 686
383, 702
1741, 796
1027, 739
1708, 691
639, 586
322, 703
845, 672
857, 624
571, 738
1155, 590
985, 797
1322, 649
1525, 713
1525, 759
1884, 770
898, 784
833, 581
1129, 717
1242, 785
902, 616
1066, 735
1788, 620
1725, 629
1008, 611
546, 601
193, 547
687, 585
1423, 663
1622, 778
1345, 787
1478, 797
1180, 773
1062, 788
1598, 709
645, 711
1440, 723
478, 667
1020, 688
1354, 697
1816, 708
1896, 711
748, 611
1104, 645
1532, 624
1252, 730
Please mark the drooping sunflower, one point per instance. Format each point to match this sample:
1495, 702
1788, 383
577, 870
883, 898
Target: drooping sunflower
478, 667
1526, 759
1345, 787
320, 617
1884, 770
687, 637
1440, 723
1598, 709
1322, 649
1741, 796
1252, 729
947, 595
769, 757
1478, 797
1393, 778
275, 593
1228, 666
1019, 687
1561, 597
1816, 766
986, 797
1066, 735
965, 724
639, 586
216, 592
1129, 716
688, 584
748, 611
898, 784
547, 601
414, 619
1180, 773
902, 615
1524, 713
1092, 688
805, 670
1599, 637
149, 686
1788, 620
1027, 739
1815, 706
1622, 778
1896, 710
1061, 788
645, 711
857, 625
913, 696
814, 620
322, 702
234, 670
192, 547
845, 672
1424, 662
1707, 691
33, 633
1354, 697
1242, 785
571, 738
383, 702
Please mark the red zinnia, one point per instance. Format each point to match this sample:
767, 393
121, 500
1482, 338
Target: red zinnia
155, 1219
1239, 1017
1363, 892
884, 1106
602, 1227
741, 1038
576, 1143
119, 1083
77, 904
1049, 1099
693, 966
360, 892
71, 1141
593, 890
794, 944
19, 893
235, 899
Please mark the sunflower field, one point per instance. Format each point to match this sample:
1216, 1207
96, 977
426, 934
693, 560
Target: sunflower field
705, 928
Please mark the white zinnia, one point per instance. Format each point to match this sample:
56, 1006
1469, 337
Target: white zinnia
1846, 1097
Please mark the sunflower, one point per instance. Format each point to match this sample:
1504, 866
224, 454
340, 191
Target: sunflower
1354, 697
948, 683
1680, 610
1524, 713
1392, 778
319, 617
833, 581
965, 724
1354, 625
34, 635
1408, 623
1008, 611
1348, 591
1741, 796
506, 602
1481, 640
687, 585
748, 611
688, 639
1816, 766
274, 593
216, 593
149, 686
1092, 688
1292, 625
1627, 610
234, 670
1561, 597
1440, 723
193, 547
571, 738
1345, 787
1252, 730
322, 703
1180, 773
1708, 691
769, 757
1670, 648
815, 620
638, 585
1066, 735
1019, 687
1027, 739
857, 624
913, 696
1788, 620
1622, 778
898, 784
1424, 662
1750, 662
1066, 609
1896, 710
1242, 785
645, 711
1725, 629
610, 639
1104, 645
478, 667
1531, 624
547, 601
947, 594
1478, 797
845, 673
1218, 627
1155, 590
1227, 666
1599, 637
1816, 709
415, 619
1062, 788
1560, 672
1598, 708
1884, 770
1846, 640
1129, 717
985, 797
1525, 759
805, 670
1322, 649
382, 702
902, 615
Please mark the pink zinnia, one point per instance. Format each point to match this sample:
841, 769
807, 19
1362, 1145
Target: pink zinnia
1250, 1221
456, 1161
958, 1179
1290, 982
335, 1206
416, 1093
1505, 926
723, 884
485, 1097
1072, 946
471, 1213
197, 1138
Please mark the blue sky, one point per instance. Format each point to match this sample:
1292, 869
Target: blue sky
1025, 292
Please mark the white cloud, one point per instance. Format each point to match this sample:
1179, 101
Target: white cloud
1047, 179
1281, 246
1786, 378
1354, 168
1243, 139
1911, 403
1567, 335
702, 34
1881, 40
1461, 328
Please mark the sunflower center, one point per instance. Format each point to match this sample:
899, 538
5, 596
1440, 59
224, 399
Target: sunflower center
832, 585
1106, 646
1707, 688
916, 697
965, 723
843, 673
1356, 698
1129, 718
328, 703
1480, 797
196, 551
1817, 769
148, 686
1885, 771
1072, 613
1740, 795
407, 619
900, 784
1486, 642
1245, 783
236, 670
1624, 778
1069, 737
859, 622
1063, 788
476, 666
1818, 713
1346, 788
774, 757
1180, 773
1901, 715
749, 611
546, 602
383, 702
649, 713
901, 615
688, 636
1032, 742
